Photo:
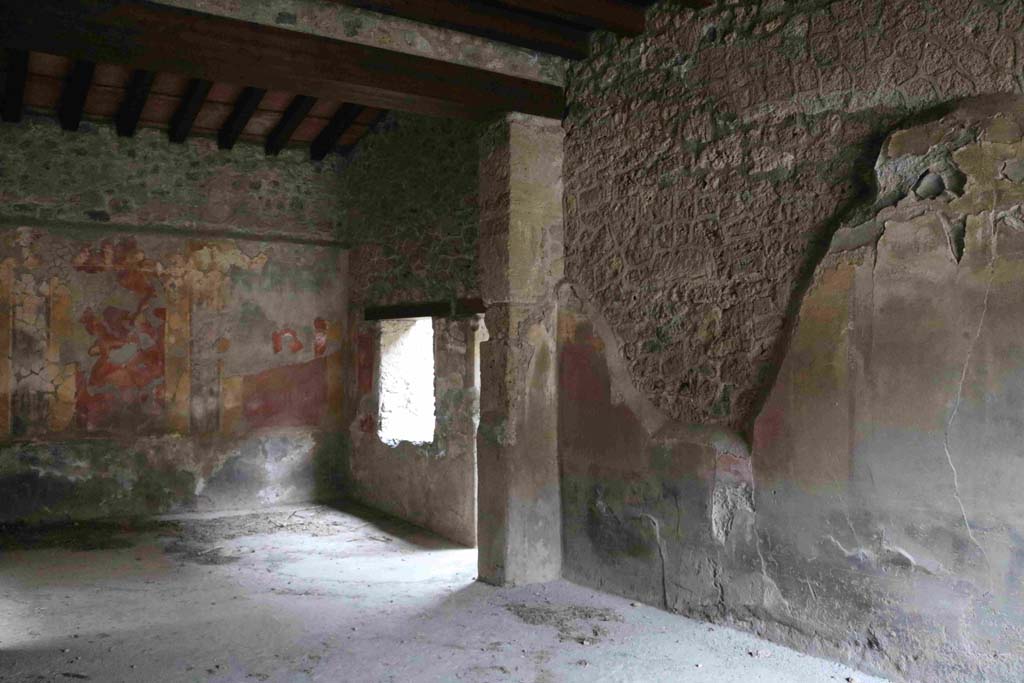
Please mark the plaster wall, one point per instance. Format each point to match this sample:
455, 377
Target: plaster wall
520, 262
173, 319
431, 484
410, 213
787, 339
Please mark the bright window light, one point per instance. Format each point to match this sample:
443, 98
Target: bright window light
407, 381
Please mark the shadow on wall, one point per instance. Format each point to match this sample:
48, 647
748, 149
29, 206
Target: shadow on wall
876, 519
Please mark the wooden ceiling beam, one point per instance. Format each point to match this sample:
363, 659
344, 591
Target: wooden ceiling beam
185, 116
135, 96
328, 138
245, 106
76, 89
297, 110
461, 308
487, 20
14, 85
619, 16
162, 38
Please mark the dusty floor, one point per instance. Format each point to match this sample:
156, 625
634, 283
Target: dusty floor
313, 594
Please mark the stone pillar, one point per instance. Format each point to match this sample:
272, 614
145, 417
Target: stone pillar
520, 263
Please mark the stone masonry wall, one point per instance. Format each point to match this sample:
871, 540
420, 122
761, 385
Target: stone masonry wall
793, 404
172, 340
93, 178
410, 207
876, 518
709, 160
430, 484
410, 211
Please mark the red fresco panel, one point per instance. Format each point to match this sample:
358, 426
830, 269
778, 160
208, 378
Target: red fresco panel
289, 396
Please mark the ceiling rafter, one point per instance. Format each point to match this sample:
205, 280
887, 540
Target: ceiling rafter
14, 86
339, 124
162, 38
297, 110
135, 96
371, 126
245, 106
76, 89
185, 116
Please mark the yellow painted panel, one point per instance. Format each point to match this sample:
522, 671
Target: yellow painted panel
230, 404
62, 378
6, 329
177, 365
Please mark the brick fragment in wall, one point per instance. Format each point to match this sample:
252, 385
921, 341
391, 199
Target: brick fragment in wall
709, 160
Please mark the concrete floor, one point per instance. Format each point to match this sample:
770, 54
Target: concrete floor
314, 594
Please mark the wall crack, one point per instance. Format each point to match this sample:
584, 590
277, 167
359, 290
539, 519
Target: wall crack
959, 397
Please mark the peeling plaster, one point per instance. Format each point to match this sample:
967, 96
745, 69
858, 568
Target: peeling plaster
873, 515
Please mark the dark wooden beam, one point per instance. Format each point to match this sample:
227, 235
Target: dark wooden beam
619, 16
162, 38
487, 20
290, 120
238, 119
345, 150
462, 308
76, 89
188, 109
335, 128
135, 96
14, 85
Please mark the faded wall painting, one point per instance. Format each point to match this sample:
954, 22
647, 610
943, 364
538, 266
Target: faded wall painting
127, 344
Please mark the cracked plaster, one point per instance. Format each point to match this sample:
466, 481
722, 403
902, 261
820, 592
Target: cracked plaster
874, 519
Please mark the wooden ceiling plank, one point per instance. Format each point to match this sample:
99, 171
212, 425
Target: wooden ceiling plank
308, 130
135, 96
346, 149
290, 120
245, 107
619, 16
335, 128
40, 63
188, 109
43, 92
225, 93
161, 38
103, 102
435, 309
76, 89
487, 20
14, 86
